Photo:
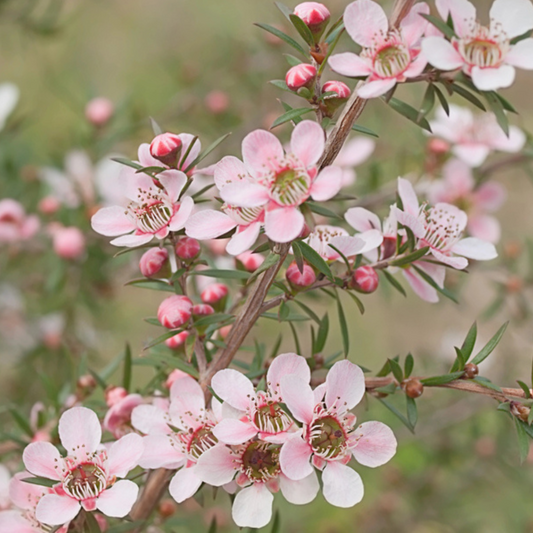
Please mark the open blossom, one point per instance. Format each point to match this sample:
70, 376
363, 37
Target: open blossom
389, 55
329, 436
15, 224
355, 152
87, 476
118, 418
484, 53
458, 187
474, 137
155, 209
268, 187
259, 412
441, 228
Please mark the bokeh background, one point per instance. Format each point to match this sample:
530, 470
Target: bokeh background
166, 59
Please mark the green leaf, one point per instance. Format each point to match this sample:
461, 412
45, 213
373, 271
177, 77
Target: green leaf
397, 413
525, 388
459, 362
412, 412
127, 162
321, 210
271, 260
151, 284
441, 380
409, 365
42, 481
431, 281
283, 36
470, 340
496, 107
489, 347
292, 61
309, 311
394, 282
168, 360
519, 38
440, 25
276, 524
334, 34
427, 102
222, 274
91, 525
161, 338
442, 100
206, 152
387, 389
183, 157
280, 84
212, 319
396, 369
366, 131
467, 95
322, 334
409, 113
21, 422
155, 127
487, 383
126, 378
410, 258
283, 311
343, 257
505, 103
302, 28
213, 526
523, 439
343, 326
357, 301
296, 340
313, 258
290, 115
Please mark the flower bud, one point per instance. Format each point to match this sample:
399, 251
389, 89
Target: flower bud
300, 280
364, 279
217, 102
224, 331
315, 15
99, 111
520, 411
176, 342
214, 293
342, 93
49, 205
69, 243
201, 310
471, 371
249, 261
438, 146
114, 394
187, 248
167, 508
174, 311
413, 388
165, 148
302, 75
153, 261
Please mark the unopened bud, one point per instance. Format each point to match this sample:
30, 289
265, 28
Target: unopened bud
153, 261
334, 101
365, 279
99, 111
224, 331
69, 243
114, 394
520, 411
174, 311
86, 384
300, 280
167, 508
513, 249
175, 375
165, 148
49, 205
315, 15
201, 310
187, 248
413, 388
514, 284
214, 293
302, 75
438, 146
217, 102
177, 341
471, 371
249, 261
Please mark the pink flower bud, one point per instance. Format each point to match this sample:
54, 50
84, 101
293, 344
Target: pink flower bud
300, 280
438, 146
69, 243
341, 89
187, 248
99, 111
214, 293
49, 205
174, 311
224, 331
175, 374
176, 342
153, 261
165, 148
364, 279
217, 102
250, 261
315, 15
302, 75
202, 310
113, 395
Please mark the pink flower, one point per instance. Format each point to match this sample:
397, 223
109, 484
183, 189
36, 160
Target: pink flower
69, 243
354, 153
15, 225
441, 228
458, 187
484, 53
154, 211
474, 137
328, 438
118, 418
389, 55
99, 111
87, 476
174, 311
260, 413
269, 185
302, 75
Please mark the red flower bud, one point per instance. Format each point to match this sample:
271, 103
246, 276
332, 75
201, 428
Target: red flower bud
364, 279
300, 280
214, 293
302, 75
187, 248
153, 261
99, 111
341, 89
174, 311
165, 148
315, 15
250, 261
177, 342
202, 310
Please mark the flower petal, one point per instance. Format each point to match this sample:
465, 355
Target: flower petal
173, 181
376, 444
286, 364
184, 484
284, 224
43, 459
180, 218
413, 25
131, 241
245, 193
362, 219
365, 20
160, 452
208, 224
485, 227
472, 154
261, 152
299, 492
307, 142
233, 387
373, 89
56, 510
252, 506
298, 397
231, 431
327, 184
355, 152
491, 79
112, 221
294, 458
463, 14
514, 16
187, 139
441, 53
345, 386
124, 454
349, 64
342, 486
421, 287
150, 420
119, 499
216, 466
229, 170
243, 239
80, 431
521, 55
475, 249
14, 522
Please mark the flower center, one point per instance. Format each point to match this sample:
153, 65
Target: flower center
151, 217
201, 440
271, 418
327, 437
85, 481
260, 461
391, 60
442, 228
484, 48
290, 186
242, 215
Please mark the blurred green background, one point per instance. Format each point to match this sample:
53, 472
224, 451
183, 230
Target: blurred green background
162, 58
